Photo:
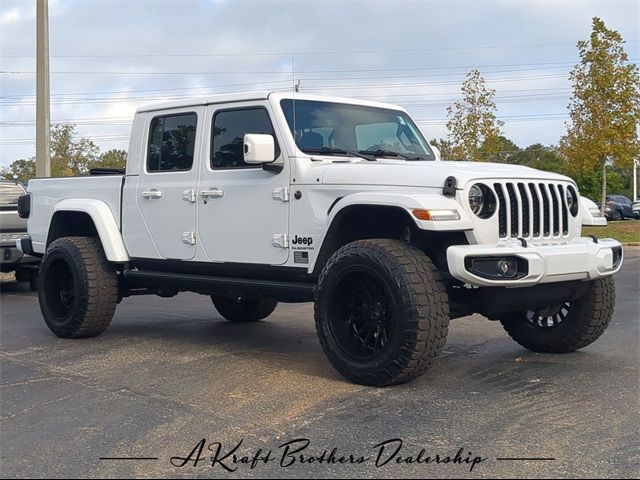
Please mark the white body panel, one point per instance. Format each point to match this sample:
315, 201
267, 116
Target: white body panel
163, 198
264, 216
580, 259
105, 223
239, 223
48, 193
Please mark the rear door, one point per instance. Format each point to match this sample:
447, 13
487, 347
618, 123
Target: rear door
166, 187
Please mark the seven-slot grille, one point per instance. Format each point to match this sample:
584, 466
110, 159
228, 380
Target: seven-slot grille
532, 210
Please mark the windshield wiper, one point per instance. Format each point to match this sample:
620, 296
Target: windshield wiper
390, 153
339, 151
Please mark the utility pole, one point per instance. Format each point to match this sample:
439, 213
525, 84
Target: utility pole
635, 179
43, 104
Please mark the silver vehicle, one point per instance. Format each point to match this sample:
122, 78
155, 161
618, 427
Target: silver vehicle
12, 227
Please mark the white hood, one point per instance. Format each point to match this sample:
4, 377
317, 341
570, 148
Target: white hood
428, 173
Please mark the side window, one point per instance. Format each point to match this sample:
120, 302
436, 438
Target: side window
172, 141
229, 129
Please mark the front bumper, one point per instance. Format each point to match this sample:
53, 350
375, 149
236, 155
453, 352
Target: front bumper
579, 259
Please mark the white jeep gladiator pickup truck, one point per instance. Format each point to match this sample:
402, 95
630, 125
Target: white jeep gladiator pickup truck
261, 198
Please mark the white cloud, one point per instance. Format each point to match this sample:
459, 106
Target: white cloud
408, 42
10, 16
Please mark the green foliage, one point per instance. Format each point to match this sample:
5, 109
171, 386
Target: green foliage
590, 183
20, 170
113, 158
445, 147
498, 150
474, 130
70, 155
604, 108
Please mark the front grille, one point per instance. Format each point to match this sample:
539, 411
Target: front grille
532, 210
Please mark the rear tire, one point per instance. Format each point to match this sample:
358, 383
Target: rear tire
243, 310
77, 288
381, 312
575, 325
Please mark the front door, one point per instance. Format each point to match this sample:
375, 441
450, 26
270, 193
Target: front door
243, 212
166, 187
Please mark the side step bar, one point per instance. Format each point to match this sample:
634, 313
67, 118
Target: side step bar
282, 290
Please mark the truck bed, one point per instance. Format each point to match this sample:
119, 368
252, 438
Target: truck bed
47, 192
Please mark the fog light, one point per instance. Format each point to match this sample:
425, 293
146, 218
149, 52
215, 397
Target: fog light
497, 268
508, 267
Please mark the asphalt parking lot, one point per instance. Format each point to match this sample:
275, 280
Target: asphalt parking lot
169, 373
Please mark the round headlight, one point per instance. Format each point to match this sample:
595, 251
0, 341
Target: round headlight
476, 199
482, 200
572, 200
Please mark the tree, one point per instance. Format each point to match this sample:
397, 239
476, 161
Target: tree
472, 121
20, 170
542, 157
70, 155
113, 158
445, 147
604, 108
499, 149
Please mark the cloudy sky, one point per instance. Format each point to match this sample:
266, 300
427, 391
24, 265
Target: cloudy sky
110, 56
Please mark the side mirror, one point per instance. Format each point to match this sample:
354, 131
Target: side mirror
259, 149
436, 151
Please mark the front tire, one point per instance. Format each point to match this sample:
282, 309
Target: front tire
381, 312
568, 327
77, 288
242, 310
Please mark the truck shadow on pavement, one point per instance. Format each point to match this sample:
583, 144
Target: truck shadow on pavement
272, 344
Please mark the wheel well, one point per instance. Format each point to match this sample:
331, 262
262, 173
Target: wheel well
359, 222
71, 224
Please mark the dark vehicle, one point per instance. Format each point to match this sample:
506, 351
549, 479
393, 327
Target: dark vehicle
636, 210
618, 207
12, 227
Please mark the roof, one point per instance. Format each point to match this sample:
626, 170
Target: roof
258, 95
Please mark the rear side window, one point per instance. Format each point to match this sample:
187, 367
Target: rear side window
172, 140
229, 129
9, 193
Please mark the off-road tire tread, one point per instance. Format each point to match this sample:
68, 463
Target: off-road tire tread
98, 300
425, 302
587, 320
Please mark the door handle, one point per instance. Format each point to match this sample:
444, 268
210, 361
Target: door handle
212, 193
151, 194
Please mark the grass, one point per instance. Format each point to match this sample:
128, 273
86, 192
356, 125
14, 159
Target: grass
623, 231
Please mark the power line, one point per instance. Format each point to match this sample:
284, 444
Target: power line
312, 88
186, 72
307, 53
418, 103
433, 121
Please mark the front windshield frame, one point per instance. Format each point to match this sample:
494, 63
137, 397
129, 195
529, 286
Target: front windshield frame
413, 146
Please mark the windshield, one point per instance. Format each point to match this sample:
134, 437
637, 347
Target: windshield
327, 127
